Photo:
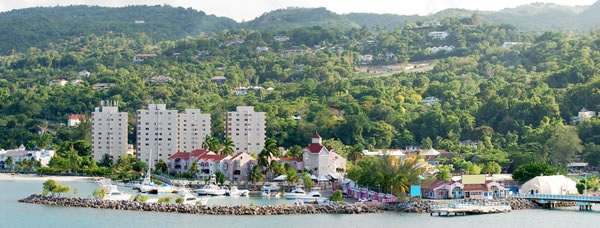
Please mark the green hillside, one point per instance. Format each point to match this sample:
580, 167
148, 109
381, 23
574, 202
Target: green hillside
40, 26
296, 17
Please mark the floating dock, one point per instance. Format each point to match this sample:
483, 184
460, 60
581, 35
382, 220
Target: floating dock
461, 208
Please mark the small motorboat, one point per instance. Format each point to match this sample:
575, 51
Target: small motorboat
131, 184
234, 191
188, 198
114, 193
313, 197
295, 194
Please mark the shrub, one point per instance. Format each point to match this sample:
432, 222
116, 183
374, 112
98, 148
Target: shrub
165, 199
179, 200
142, 198
337, 196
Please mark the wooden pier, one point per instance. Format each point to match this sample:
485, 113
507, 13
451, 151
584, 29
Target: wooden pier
470, 210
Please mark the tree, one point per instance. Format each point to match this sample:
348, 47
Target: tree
179, 200
592, 153
491, 168
473, 169
292, 176
100, 193
307, 181
276, 168
526, 172
106, 161
220, 177
161, 166
8, 163
294, 152
193, 170
563, 145
227, 147
426, 143
443, 173
49, 186
337, 196
356, 153
255, 175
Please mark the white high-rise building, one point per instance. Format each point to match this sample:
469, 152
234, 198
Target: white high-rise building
246, 128
109, 131
165, 132
193, 127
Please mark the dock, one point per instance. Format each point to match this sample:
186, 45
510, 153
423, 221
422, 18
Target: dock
455, 209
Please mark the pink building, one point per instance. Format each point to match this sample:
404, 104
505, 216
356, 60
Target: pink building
295, 163
235, 168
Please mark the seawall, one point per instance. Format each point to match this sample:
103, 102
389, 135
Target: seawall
199, 209
424, 206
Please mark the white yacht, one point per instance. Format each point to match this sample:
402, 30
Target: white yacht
234, 191
211, 189
295, 194
114, 194
188, 198
313, 197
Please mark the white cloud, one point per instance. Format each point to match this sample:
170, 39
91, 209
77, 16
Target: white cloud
249, 9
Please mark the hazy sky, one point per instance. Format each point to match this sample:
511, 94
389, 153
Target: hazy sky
249, 9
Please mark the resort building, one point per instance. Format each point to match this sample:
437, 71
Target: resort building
109, 131
470, 187
20, 154
295, 163
429, 101
322, 160
469, 143
441, 48
192, 129
165, 132
236, 168
160, 79
246, 128
512, 44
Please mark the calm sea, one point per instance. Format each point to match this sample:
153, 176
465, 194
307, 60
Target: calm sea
14, 214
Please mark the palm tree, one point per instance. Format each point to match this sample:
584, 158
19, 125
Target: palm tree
106, 161
271, 150
227, 147
214, 144
193, 170
206, 143
255, 175
356, 153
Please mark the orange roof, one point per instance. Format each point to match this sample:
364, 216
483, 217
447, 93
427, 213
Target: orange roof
181, 155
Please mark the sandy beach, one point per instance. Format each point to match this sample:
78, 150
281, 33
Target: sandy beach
33, 177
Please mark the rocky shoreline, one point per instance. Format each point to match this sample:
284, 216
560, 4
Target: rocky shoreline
424, 206
199, 209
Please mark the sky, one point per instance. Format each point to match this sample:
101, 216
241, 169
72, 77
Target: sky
249, 9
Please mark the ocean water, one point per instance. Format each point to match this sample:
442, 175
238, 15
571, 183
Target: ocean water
15, 214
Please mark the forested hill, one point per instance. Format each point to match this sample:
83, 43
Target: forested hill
531, 17
37, 27
295, 17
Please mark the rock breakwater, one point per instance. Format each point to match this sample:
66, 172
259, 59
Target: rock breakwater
423, 206
199, 209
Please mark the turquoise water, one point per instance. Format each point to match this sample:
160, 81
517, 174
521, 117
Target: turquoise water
14, 214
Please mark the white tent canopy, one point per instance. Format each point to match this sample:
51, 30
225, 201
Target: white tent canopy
551, 185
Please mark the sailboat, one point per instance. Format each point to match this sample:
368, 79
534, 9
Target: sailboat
147, 185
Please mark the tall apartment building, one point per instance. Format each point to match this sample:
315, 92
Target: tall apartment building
109, 131
193, 127
165, 132
246, 128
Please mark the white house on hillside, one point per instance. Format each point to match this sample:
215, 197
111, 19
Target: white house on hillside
321, 159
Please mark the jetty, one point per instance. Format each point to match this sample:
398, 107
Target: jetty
465, 208
199, 209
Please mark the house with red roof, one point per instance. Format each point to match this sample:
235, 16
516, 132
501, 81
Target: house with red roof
322, 160
75, 119
441, 189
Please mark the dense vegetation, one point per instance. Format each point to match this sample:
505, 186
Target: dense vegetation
517, 103
45, 26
